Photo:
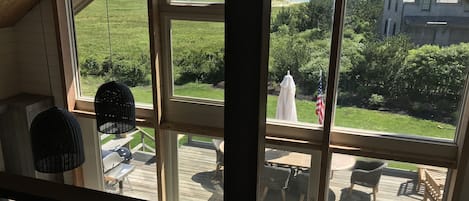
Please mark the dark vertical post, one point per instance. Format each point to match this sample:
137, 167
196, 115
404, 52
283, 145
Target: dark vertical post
246, 58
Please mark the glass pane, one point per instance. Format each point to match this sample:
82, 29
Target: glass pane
402, 72
200, 162
198, 59
387, 180
198, 1
286, 174
129, 163
300, 37
112, 40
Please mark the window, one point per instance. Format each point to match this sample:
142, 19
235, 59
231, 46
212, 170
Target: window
198, 59
129, 164
112, 43
425, 4
386, 22
395, 6
447, 1
374, 83
300, 38
200, 167
389, 4
364, 117
197, 1
362, 178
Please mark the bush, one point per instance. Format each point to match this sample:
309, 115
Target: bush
441, 73
200, 66
130, 71
91, 67
376, 101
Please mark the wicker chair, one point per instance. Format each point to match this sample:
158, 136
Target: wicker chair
367, 173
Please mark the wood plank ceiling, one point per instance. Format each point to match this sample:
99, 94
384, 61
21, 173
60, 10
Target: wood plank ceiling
11, 11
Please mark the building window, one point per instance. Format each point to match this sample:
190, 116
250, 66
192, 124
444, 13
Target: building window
394, 29
396, 5
425, 4
389, 4
447, 1
385, 33
466, 5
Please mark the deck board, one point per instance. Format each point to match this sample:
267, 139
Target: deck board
197, 182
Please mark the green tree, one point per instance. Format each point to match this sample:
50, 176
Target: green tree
377, 70
289, 53
441, 72
314, 14
363, 16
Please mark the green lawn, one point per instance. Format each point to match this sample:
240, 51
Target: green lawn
345, 116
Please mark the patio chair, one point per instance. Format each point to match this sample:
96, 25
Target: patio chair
275, 178
220, 156
433, 190
368, 174
301, 182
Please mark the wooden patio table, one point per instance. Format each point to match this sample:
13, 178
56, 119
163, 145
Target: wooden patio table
300, 160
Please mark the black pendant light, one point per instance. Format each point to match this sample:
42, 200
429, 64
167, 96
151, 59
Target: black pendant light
115, 108
56, 141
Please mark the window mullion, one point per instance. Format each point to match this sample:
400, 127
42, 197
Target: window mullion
333, 75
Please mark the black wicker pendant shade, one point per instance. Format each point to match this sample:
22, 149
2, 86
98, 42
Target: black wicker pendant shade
56, 141
115, 108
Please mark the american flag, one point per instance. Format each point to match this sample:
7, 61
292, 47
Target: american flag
320, 102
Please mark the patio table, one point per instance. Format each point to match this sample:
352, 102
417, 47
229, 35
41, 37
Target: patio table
300, 160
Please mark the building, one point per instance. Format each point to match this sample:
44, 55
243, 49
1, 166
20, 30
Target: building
442, 22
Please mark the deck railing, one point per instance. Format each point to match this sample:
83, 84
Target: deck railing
142, 146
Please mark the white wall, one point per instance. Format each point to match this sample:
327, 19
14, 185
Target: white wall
8, 75
92, 168
37, 53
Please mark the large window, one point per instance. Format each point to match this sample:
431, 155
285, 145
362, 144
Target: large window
409, 84
300, 38
398, 95
198, 59
113, 45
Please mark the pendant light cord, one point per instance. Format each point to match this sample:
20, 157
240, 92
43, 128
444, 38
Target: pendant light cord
109, 31
45, 49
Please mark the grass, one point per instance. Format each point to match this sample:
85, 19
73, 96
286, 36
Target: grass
351, 117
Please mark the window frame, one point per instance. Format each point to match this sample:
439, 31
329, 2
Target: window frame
170, 113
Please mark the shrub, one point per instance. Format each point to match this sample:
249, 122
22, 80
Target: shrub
130, 71
200, 66
376, 101
91, 67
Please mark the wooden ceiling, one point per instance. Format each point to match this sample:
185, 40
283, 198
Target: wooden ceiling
13, 10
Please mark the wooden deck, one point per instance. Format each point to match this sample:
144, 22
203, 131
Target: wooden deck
197, 181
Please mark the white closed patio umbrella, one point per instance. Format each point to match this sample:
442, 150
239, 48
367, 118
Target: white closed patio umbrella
286, 107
